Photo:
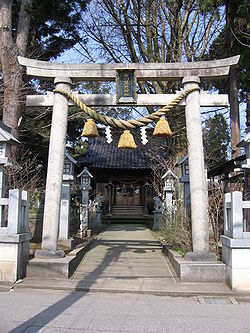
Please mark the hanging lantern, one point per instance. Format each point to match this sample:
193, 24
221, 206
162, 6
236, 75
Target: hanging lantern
162, 128
127, 140
90, 129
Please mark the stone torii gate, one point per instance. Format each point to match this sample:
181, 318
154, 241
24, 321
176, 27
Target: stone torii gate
64, 75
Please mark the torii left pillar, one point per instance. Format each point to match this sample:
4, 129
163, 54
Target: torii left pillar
55, 173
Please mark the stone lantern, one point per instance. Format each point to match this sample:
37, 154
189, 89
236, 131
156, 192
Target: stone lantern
85, 181
85, 186
68, 178
169, 179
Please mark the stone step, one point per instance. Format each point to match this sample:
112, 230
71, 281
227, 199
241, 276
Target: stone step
127, 212
139, 213
128, 219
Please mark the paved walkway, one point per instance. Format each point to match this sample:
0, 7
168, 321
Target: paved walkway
127, 258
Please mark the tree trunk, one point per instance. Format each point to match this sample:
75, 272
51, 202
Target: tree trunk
234, 112
12, 74
11, 70
231, 12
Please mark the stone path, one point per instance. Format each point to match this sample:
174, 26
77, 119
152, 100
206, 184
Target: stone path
126, 257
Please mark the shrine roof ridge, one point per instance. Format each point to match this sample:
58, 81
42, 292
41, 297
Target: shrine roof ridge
145, 71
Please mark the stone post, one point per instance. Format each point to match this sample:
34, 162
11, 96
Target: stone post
2, 190
65, 210
55, 173
145, 196
84, 212
169, 187
110, 186
85, 178
169, 199
145, 213
158, 210
63, 238
198, 194
2, 182
96, 220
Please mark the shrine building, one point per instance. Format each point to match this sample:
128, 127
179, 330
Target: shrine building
124, 176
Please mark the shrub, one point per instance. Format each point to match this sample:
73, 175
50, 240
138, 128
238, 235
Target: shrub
176, 231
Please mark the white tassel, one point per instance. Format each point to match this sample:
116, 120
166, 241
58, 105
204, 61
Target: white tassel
108, 134
144, 139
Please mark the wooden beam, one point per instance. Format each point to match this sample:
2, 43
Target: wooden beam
206, 100
149, 71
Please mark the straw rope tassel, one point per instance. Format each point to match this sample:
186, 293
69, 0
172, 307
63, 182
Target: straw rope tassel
127, 140
90, 129
162, 128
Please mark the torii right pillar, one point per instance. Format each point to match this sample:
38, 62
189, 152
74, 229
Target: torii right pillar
198, 192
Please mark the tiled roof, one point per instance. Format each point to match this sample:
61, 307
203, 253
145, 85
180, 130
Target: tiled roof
102, 155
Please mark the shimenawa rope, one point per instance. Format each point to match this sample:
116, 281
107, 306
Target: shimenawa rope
125, 124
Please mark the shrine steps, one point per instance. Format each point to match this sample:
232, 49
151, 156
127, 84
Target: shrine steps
135, 210
127, 214
128, 220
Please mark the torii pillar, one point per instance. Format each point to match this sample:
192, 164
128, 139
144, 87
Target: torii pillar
198, 193
55, 173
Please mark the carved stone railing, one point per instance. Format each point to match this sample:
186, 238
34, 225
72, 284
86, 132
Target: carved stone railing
236, 241
14, 236
237, 216
16, 220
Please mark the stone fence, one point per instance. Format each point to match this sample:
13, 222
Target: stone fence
237, 216
16, 221
14, 236
236, 241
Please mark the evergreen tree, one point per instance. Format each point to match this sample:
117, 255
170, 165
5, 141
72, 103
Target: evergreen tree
233, 40
41, 29
216, 140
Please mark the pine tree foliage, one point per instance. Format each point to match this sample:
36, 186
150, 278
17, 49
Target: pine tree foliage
237, 43
54, 26
216, 140
37, 29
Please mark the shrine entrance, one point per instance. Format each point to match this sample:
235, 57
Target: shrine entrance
127, 75
128, 194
